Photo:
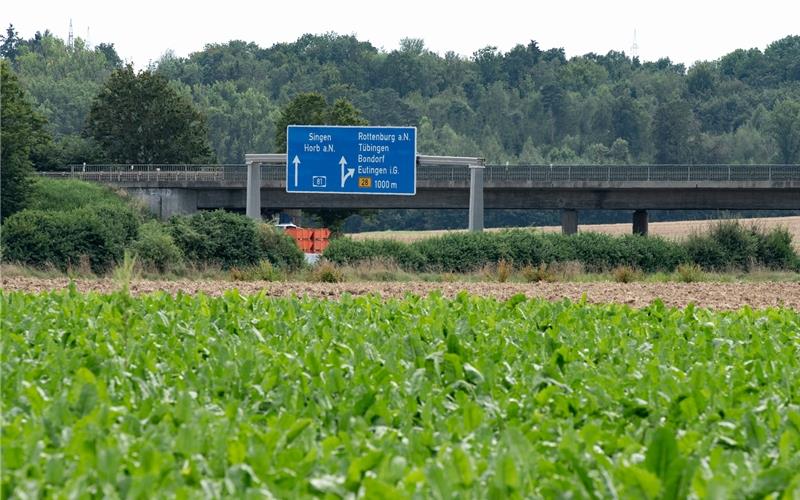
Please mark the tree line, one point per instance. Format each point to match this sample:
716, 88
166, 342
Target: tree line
526, 105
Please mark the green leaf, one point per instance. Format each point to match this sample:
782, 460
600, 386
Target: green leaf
464, 467
661, 452
644, 482
297, 427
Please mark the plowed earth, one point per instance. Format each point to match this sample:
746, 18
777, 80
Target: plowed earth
711, 295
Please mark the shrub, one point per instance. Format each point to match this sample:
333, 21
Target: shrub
706, 252
97, 233
689, 273
650, 253
596, 251
263, 271
730, 245
535, 274
461, 252
504, 270
625, 274
327, 272
739, 244
218, 238
349, 251
278, 248
156, 249
775, 249
525, 247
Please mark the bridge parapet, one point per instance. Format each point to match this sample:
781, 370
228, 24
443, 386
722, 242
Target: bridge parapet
235, 175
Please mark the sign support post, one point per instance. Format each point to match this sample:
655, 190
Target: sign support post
254, 190
476, 198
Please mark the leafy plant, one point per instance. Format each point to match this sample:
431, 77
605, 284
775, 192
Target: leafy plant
252, 396
125, 273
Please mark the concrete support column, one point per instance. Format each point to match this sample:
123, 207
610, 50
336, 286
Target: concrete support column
569, 221
177, 202
254, 190
640, 222
476, 197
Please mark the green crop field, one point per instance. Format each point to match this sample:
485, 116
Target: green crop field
110, 396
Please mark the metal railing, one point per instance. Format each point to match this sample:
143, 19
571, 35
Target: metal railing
494, 174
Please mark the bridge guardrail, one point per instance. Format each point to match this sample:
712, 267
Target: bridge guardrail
497, 174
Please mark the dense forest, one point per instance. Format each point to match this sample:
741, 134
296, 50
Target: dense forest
529, 105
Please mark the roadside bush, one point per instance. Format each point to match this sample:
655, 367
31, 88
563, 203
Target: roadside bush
706, 252
626, 274
327, 272
596, 251
650, 253
535, 274
739, 244
279, 248
525, 247
65, 238
156, 250
460, 252
218, 238
727, 245
349, 251
775, 250
689, 273
730, 245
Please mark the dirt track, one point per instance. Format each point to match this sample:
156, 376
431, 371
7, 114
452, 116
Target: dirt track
713, 295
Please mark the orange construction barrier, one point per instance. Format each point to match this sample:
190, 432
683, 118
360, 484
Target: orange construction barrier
310, 240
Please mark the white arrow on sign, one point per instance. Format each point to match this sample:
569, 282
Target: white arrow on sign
350, 171
296, 162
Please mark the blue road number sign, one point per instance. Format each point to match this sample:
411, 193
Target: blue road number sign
351, 160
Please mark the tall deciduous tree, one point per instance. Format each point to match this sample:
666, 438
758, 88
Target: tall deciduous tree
313, 109
141, 119
10, 46
784, 124
673, 132
22, 132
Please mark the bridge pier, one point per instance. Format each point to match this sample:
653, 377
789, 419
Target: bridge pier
640, 222
569, 221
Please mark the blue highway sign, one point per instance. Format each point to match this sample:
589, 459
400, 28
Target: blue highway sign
351, 160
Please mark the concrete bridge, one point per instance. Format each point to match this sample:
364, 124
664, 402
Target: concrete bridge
181, 189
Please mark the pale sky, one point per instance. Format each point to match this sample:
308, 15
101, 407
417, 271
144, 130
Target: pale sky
683, 30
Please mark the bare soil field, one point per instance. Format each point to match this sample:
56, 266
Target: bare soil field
712, 295
673, 230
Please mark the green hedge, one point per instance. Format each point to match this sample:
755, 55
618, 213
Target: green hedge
65, 238
278, 248
727, 245
231, 240
156, 249
730, 245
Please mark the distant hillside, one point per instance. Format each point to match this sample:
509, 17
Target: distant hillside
528, 105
